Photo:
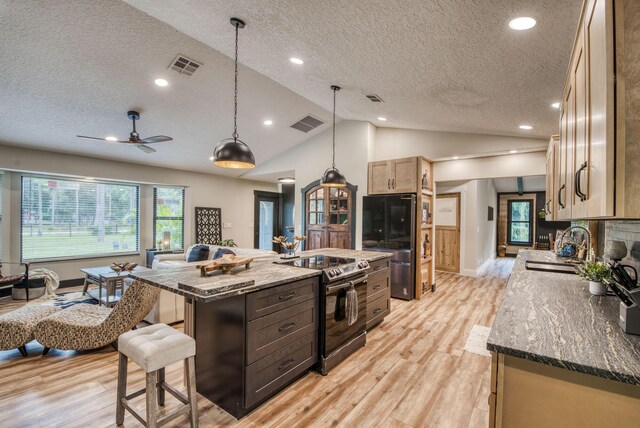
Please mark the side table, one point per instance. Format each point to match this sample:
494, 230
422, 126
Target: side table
110, 284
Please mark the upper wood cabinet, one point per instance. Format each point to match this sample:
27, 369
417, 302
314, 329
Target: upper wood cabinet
393, 176
551, 186
594, 167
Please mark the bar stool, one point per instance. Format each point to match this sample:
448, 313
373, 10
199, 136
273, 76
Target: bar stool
153, 348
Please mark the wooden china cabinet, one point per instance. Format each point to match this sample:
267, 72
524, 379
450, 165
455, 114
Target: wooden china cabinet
328, 217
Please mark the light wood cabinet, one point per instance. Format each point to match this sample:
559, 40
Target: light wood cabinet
594, 169
393, 176
412, 175
551, 185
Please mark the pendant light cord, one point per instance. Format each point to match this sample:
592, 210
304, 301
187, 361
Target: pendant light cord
235, 94
333, 162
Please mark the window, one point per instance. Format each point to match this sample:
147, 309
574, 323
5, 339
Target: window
168, 218
65, 219
520, 224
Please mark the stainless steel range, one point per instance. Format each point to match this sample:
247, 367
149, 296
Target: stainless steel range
343, 289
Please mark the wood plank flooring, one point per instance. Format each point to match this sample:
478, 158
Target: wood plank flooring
413, 372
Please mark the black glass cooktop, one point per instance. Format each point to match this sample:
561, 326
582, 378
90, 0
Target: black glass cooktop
319, 262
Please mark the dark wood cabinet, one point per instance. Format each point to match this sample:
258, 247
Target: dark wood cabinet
250, 347
378, 293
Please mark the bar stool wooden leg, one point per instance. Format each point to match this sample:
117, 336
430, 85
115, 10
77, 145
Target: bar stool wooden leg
160, 388
152, 403
122, 388
191, 392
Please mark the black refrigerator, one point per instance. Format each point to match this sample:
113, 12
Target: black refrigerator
389, 225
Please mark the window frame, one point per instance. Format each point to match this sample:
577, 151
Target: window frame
510, 221
135, 252
156, 218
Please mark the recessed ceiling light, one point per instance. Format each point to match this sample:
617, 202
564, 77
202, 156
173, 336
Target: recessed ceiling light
161, 82
526, 127
296, 61
556, 106
268, 122
382, 119
522, 23
110, 138
210, 158
456, 157
286, 180
513, 151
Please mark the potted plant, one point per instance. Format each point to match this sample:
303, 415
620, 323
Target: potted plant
502, 249
595, 272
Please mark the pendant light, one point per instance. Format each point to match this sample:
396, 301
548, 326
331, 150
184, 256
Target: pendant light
332, 177
232, 152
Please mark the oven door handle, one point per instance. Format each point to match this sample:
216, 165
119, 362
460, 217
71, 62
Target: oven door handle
347, 284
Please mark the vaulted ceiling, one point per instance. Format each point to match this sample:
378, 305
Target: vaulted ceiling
76, 67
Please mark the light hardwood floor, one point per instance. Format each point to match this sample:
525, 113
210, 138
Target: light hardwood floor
413, 372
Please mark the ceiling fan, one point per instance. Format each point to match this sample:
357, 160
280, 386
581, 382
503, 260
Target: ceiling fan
134, 137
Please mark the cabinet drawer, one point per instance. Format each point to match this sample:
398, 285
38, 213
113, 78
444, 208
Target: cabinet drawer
272, 332
270, 374
265, 302
377, 285
378, 309
379, 265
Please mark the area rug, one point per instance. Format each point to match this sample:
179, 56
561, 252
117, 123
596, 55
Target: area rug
66, 300
477, 341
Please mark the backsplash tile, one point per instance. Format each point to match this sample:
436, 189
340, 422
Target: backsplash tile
629, 232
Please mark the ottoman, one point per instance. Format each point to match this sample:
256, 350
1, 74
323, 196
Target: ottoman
16, 327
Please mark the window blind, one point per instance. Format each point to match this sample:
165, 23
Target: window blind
168, 218
64, 218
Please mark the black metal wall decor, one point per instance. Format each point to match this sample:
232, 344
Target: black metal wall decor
208, 225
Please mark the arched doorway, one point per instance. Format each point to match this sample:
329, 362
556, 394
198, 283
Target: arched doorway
329, 216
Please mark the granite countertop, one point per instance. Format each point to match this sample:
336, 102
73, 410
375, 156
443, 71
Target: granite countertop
551, 318
264, 273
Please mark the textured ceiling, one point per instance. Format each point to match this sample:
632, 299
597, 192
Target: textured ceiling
76, 67
438, 64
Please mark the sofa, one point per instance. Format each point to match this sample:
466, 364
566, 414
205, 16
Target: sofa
170, 307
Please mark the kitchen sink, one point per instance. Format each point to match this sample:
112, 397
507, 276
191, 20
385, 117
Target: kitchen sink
555, 267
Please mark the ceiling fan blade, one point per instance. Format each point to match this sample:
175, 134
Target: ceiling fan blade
156, 139
146, 149
100, 139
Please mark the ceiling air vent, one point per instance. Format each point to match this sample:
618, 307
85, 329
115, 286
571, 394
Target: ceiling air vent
184, 65
307, 124
374, 98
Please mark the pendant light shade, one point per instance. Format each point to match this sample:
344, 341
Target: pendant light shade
332, 177
233, 152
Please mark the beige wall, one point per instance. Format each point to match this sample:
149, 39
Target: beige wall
486, 242
233, 196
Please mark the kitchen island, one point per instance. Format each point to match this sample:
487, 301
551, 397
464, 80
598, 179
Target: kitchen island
559, 356
257, 330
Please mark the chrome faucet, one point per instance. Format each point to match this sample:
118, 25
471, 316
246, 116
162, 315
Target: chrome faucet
571, 229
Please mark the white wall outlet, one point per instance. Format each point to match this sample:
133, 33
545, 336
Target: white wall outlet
226, 225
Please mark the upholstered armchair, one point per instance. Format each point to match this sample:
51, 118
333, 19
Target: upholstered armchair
86, 326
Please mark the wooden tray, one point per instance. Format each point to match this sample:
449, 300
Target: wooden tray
226, 264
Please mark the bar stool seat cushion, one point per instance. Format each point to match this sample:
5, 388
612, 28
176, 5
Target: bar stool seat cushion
156, 346
16, 327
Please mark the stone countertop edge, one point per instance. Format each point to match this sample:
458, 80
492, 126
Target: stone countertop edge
548, 318
223, 286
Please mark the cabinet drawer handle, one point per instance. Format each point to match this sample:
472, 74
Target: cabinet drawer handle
377, 286
393, 183
376, 311
389, 184
286, 364
560, 196
379, 267
579, 192
287, 327
289, 296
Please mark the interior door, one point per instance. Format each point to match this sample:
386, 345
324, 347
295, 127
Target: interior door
315, 215
267, 220
447, 219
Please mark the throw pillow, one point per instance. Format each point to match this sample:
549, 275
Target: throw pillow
222, 251
198, 253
